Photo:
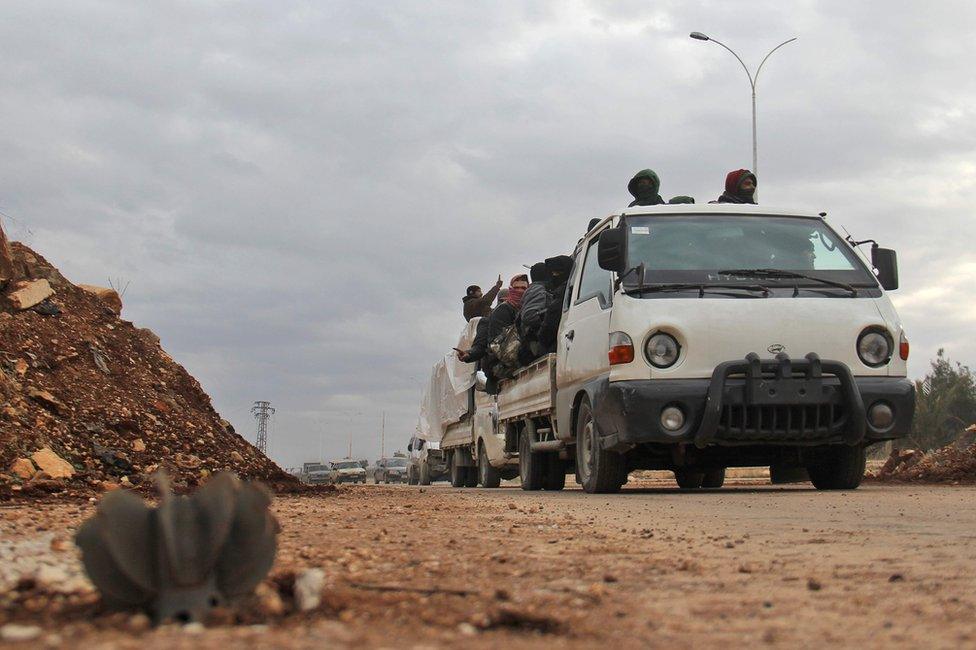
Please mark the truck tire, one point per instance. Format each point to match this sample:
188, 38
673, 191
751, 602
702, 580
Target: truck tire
470, 477
530, 464
488, 476
458, 475
411, 476
424, 478
554, 476
600, 471
688, 479
837, 467
714, 478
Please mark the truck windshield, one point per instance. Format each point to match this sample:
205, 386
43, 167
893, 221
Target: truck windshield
695, 248
346, 464
397, 462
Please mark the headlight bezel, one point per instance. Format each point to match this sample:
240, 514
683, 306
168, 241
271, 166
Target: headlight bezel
650, 357
875, 330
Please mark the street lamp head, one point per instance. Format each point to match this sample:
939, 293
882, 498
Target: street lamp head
698, 36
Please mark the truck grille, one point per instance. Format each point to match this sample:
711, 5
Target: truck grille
781, 422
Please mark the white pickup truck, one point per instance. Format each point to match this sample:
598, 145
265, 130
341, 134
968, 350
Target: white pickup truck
700, 337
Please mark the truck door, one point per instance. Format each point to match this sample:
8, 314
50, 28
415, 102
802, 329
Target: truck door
583, 333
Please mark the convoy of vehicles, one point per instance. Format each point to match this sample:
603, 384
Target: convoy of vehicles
696, 338
426, 462
390, 470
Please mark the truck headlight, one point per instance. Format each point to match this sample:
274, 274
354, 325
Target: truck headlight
662, 350
874, 347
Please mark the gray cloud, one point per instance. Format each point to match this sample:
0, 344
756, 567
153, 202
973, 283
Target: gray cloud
299, 192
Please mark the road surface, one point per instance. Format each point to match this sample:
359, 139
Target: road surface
411, 567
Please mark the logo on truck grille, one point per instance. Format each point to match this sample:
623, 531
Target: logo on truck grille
776, 348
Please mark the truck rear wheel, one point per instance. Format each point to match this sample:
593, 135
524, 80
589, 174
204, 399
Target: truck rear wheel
714, 478
424, 478
411, 475
458, 473
488, 476
530, 464
600, 470
688, 479
838, 467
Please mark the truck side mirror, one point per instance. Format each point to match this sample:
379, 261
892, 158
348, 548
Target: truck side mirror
409, 446
886, 261
611, 251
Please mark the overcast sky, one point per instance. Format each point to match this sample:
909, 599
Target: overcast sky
299, 192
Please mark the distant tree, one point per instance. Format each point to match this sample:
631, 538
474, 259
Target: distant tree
945, 404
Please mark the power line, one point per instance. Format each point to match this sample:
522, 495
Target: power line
262, 411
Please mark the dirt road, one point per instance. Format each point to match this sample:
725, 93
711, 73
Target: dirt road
415, 567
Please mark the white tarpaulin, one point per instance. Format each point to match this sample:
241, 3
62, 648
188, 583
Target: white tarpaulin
446, 396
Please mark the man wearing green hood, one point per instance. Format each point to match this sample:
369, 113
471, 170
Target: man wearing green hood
644, 187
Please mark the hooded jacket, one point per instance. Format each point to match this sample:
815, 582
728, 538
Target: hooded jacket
733, 184
474, 307
647, 196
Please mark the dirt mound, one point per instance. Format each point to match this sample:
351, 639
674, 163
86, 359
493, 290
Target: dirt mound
88, 401
950, 464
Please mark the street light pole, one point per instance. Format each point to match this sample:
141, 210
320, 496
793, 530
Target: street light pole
753, 79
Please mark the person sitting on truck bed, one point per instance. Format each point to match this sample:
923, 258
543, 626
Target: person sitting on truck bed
740, 187
534, 304
644, 187
478, 304
479, 348
559, 268
674, 200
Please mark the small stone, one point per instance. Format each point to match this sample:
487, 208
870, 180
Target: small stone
139, 623
236, 457
269, 602
13, 632
23, 468
108, 486
47, 400
26, 294
193, 628
52, 464
896, 577
512, 506
51, 576
813, 584
138, 445
308, 589
466, 629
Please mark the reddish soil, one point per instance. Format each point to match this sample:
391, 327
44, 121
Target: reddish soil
407, 567
121, 407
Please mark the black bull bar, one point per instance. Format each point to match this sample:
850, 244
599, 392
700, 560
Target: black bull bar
781, 399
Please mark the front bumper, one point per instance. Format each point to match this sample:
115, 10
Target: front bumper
756, 402
351, 478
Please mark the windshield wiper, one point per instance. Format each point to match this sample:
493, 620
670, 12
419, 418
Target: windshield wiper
787, 275
701, 287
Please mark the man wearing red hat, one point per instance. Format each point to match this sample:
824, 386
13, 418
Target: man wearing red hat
740, 187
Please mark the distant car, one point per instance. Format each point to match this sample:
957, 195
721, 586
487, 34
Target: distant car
316, 474
390, 470
348, 471
426, 462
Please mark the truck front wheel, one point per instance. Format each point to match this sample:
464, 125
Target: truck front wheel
714, 478
688, 479
838, 467
488, 476
424, 473
599, 470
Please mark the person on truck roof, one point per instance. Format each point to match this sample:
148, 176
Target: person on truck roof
534, 304
675, 200
740, 187
478, 304
644, 187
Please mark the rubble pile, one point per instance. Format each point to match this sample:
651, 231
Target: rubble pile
88, 401
950, 464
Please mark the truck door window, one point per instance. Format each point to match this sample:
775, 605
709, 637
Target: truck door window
594, 281
571, 286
